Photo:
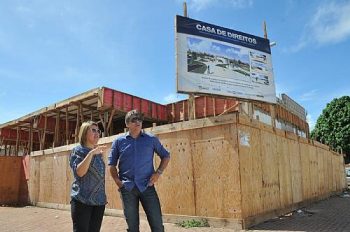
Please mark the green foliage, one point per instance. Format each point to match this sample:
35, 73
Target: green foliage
333, 125
194, 223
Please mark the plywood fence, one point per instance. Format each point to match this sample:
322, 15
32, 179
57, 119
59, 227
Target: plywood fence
13, 180
228, 169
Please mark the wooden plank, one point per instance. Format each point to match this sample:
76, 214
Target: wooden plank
34, 180
284, 170
59, 177
305, 170
250, 170
270, 178
9, 179
295, 164
217, 190
46, 175
67, 127
321, 172
314, 174
43, 136
178, 173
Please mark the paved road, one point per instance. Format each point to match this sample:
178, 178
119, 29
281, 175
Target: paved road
331, 215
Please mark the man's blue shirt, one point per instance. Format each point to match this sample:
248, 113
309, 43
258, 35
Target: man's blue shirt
135, 158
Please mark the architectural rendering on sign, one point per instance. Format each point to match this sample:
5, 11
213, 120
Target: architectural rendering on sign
220, 61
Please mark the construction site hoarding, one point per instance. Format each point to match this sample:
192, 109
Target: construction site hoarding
216, 60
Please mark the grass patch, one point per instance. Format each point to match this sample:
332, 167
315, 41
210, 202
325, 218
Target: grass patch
194, 223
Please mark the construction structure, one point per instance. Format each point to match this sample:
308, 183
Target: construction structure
238, 141
57, 125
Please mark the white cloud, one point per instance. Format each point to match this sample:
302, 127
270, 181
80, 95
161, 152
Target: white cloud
241, 3
311, 121
281, 88
202, 46
308, 96
170, 98
329, 24
198, 5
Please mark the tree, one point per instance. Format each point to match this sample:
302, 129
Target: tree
333, 125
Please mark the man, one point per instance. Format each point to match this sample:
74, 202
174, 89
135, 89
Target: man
133, 153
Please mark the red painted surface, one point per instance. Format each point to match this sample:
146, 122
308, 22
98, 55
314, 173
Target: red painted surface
204, 107
125, 102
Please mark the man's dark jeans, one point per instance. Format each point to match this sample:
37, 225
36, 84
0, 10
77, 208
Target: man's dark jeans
150, 203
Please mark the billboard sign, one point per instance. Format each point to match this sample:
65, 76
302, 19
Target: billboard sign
215, 60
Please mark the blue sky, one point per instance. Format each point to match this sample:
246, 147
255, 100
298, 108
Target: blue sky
52, 50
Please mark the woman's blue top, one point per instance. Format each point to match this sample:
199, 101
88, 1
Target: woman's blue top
90, 188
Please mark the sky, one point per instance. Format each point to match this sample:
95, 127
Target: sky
52, 50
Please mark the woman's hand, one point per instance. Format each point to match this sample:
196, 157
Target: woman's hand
98, 150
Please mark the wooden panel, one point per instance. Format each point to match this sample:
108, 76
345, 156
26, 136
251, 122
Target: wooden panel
285, 179
10, 170
136, 103
178, 177
314, 173
45, 179
107, 97
328, 171
305, 170
295, 165
162, 114
269, 163
34, 180
69, 175
145, 108
250, 170
127, 102
216, 171
321, 172
59, 177
118, 102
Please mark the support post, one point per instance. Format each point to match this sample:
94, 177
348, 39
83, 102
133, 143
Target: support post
17, 141
30, 149
67, 127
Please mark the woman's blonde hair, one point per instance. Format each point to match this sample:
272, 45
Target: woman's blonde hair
83, 131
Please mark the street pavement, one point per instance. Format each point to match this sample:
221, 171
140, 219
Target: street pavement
332, 214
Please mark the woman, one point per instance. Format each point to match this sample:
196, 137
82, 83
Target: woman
88, 188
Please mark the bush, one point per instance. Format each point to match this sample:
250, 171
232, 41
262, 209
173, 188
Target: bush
194, 223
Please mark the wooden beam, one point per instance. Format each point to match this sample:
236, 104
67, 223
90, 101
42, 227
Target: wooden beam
265, 30
110, 120
30, 138
173, 112
81, 112
205, 107
191, 107
67, 126
56, 137
77, 127
183, 115
80, 103
43, 137
5, 149
214, 106
105, 120
17, 141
